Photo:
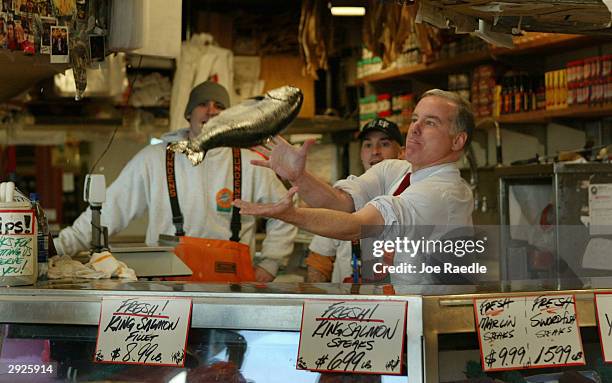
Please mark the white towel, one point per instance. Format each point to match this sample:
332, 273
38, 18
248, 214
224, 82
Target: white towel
102, 265
106, 263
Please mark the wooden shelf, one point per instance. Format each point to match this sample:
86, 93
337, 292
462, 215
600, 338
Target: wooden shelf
320, 124
538, 45
439, 66
554, 41
543, 116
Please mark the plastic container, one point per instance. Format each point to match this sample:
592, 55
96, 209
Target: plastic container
18, 244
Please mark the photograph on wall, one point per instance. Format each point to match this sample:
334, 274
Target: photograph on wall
64, 7
44, 8
7, 5
11, 38
81, 7
27, 44
96, 48
19, 33
3, 20
45, 36
27, 7
59, 45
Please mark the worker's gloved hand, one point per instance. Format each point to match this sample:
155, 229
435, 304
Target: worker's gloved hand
288, 161
262, 275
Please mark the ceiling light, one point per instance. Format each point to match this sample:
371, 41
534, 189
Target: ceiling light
348, 11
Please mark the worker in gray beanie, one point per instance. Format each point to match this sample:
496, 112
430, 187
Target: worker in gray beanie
206, 100
196, 202
205, 92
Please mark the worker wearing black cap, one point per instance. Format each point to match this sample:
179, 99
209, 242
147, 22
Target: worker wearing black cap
329, 259
194, 201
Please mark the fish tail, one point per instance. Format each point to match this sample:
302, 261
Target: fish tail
195, 156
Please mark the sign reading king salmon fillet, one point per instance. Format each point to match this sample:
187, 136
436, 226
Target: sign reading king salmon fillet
519, 332
352, 336
17, 242
143, 330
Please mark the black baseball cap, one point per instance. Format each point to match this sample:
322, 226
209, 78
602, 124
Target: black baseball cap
382, 125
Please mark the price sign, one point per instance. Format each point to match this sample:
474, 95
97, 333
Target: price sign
352, 336
17, 242
603, 305
528, 332
143, 330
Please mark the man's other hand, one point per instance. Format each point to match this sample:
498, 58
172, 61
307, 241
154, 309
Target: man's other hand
288, 161
279, 210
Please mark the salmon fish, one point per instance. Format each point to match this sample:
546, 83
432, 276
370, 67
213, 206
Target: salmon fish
245, 125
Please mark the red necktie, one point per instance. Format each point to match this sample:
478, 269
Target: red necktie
405, 183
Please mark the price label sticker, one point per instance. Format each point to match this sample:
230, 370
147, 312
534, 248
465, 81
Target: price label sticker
352, 336
521, 332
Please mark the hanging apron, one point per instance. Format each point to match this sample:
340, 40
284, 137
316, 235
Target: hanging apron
211, 260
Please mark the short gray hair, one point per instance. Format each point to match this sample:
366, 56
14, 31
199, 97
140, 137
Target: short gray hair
464, 120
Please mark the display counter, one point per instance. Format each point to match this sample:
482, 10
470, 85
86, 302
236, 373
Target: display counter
255, 328
450, 338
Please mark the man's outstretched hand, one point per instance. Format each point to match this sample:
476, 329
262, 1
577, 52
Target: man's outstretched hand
286, 160
281, 210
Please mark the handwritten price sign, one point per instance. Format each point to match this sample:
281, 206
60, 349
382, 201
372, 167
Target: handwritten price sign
603, 304
143, 330
352, 336
528, 332
17, 242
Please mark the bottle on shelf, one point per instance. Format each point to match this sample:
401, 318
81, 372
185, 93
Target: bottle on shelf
527, 92
518, 93
42, 237
541, 94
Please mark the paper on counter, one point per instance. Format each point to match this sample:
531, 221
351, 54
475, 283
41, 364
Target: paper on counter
608, 3
597, 254
600, 209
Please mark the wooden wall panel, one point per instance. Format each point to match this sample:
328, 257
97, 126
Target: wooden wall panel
220, 26
279, 70
48, 181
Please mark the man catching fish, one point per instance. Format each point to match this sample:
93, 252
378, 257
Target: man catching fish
196, 201
441, 126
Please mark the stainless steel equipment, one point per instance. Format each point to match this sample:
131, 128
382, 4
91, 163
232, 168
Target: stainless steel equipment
569, 198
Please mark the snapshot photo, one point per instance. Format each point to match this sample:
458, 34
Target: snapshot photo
25, 6
59, 45
64, 7
45, 38
2, 30
7, 6
44, 8
96, 47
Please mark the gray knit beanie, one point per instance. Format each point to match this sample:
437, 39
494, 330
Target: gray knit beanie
204, 92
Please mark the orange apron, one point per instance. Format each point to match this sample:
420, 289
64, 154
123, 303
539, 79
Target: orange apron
211, 260
215, 260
